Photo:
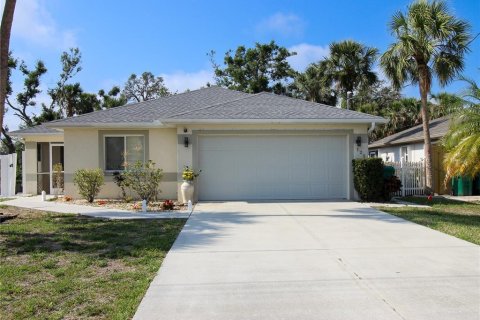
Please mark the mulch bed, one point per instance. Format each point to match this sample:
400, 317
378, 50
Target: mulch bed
153, 206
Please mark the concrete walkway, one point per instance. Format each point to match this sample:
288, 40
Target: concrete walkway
35, 202
317, 260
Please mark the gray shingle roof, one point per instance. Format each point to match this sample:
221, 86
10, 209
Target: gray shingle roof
154, 110
272, 106
214, 103
37, 130
438, 128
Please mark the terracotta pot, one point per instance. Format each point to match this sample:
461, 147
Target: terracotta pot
187, 191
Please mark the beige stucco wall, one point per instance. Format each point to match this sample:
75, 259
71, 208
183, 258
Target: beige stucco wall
83, 150
165, 148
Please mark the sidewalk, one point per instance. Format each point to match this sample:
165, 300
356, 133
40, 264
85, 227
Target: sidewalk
36, 203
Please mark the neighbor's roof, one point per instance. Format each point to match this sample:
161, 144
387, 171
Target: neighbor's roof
215, 104
438, 128
35, 131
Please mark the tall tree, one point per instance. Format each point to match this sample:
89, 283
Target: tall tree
64, 94
430, 42
31, 88
145, 87
5, 31
462, 141
351, 66
261, 68
314, 84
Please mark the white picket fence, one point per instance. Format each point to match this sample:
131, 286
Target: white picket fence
412, 176
8, 173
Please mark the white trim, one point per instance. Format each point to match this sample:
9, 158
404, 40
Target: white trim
124, 148
170, 122
288, 121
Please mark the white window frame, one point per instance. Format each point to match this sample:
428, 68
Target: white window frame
124, 136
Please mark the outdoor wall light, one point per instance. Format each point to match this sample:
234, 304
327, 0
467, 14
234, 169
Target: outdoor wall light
185, 142
358, 141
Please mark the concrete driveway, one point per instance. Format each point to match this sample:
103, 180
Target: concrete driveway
316, 260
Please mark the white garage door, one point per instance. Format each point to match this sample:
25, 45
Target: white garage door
256, 167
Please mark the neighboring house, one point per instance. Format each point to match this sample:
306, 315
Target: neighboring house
248, 146
407, 145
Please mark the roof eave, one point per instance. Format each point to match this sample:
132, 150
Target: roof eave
154, 124
33, 134
272, 121
399, 143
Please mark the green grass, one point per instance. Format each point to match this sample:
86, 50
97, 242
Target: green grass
457, 218
55, 266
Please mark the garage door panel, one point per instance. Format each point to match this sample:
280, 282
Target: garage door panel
272, 167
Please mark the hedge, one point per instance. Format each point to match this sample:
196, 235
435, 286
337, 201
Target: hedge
368, 178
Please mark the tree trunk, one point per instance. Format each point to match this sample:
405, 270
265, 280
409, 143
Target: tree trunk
8, 142
5, 29
424, 88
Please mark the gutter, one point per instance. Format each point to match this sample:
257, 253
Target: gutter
270, 121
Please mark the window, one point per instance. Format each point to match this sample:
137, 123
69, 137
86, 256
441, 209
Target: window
39, 152
120, 151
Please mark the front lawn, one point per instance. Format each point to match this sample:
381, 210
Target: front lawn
55, 266
456, 218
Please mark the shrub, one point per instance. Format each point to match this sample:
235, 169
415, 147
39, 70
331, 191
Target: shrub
144, 179
391, 185
68, 198
88, 182
368, 178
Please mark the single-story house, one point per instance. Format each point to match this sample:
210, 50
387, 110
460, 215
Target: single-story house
248, 146
407, 145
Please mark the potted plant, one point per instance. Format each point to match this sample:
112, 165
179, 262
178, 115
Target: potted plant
187, 188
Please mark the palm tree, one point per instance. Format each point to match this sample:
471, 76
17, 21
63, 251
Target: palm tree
5, 30
350, 66
314, 85
430, 42
462, 141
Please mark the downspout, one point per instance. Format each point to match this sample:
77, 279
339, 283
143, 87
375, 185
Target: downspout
372, 126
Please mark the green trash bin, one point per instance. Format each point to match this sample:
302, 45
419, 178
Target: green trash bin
388, 172
462, 186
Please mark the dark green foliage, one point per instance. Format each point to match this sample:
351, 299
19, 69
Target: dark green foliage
368, 178
262, 68
391, 185
144, 87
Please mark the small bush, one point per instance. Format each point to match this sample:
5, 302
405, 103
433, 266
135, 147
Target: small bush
68, 198
88, 182
144, 179
368, 178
